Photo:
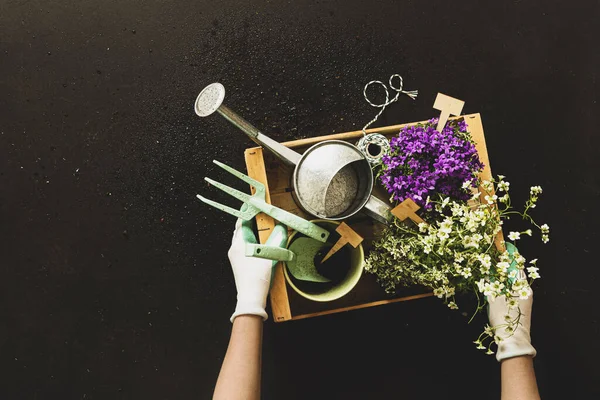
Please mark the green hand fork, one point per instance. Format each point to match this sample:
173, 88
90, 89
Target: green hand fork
299, 258
256, 203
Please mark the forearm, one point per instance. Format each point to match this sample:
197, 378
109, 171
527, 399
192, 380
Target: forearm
240, 374
518, 379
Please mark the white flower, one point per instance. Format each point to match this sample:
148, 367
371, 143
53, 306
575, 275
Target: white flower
507, 318
501, 177
450, 291
487, 185
504, 199
489, 352
545, 238
528, 232
480, 346
468, 241
532, 269
533, 261
512, 303
466, 184
497, 286
545, 228
488, 330
502, 266
446, 225
534, 275
445, 202
442, 235
509, 329
481, 285
503, 186
514, 235
466, 272
524, 293
513, 274
485, 260
452, 305
489, 291
519, 284
535, 190
490, 199
422, 227
438, 292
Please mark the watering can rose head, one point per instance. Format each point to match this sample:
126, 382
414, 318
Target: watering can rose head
423, 161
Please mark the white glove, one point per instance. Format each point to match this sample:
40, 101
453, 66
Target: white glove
252, 277
518, 343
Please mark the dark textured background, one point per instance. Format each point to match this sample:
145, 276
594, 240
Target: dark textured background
114, 280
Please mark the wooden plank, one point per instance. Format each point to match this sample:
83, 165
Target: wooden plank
280, 305
365, 305
476, 129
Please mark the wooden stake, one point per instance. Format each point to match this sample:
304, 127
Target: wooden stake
347, 235
447, 105
407, 209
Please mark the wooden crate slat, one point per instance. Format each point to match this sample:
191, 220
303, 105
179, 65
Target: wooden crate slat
280, 305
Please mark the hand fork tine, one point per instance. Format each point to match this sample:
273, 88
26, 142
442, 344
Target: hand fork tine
246, 216
260, 187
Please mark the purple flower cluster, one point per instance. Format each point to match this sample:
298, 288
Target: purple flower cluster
423, 161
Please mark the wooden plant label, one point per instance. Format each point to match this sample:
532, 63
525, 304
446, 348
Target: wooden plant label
407, 209
347, 235
448, 106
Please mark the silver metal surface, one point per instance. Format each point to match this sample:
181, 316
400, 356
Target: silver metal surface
378, 209
209, 99
324, 185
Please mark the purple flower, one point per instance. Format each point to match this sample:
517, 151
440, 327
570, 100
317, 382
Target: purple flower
423, 162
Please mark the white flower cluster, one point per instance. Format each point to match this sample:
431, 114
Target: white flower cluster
458, 249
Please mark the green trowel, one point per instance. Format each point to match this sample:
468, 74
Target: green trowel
299, 258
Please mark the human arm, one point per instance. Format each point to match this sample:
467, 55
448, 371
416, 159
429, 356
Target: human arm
240, 373
515, 352
518, 379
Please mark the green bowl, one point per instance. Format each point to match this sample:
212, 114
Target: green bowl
331, 291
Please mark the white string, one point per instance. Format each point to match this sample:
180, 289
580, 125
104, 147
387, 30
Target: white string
375, 138
378, 140
411, 93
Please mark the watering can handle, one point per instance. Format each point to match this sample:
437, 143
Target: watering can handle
377, 209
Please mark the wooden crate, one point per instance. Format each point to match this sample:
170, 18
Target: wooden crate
286, 304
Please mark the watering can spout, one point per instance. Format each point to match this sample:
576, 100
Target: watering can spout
210, 100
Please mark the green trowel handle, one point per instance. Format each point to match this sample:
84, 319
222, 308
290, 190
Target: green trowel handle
268, 252
274, 248
293, 221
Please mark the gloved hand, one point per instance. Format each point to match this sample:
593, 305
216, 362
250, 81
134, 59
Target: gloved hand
252, 277
519, 342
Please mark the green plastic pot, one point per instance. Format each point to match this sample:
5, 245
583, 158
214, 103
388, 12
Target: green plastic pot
344, 286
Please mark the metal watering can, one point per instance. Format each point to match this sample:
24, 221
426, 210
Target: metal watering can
331, 180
